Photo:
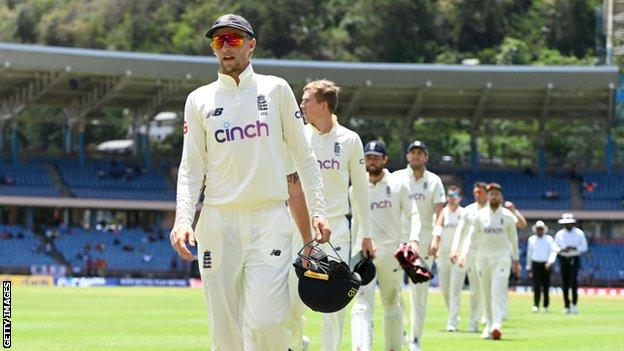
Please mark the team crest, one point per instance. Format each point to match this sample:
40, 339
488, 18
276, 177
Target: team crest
337, 149
263, 105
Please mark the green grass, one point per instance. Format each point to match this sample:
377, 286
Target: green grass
174, 319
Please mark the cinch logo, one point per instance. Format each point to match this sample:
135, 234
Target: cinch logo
493, 230
329, 164
252, 130
376, 205
418, 196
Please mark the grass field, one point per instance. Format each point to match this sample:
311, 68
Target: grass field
174, 319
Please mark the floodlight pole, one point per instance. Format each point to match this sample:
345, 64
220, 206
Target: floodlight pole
609, 39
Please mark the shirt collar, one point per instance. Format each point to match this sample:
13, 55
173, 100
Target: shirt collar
333, 129
410, 171
385, 179
245, 78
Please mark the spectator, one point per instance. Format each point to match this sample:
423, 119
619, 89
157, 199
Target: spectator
128, 248
100, 247
147, 258
90, 267
551, 195
174, 263
590, 186
100, 265
20, 235
116, 241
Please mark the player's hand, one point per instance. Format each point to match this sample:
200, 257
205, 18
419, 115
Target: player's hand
517, 268
180, 234
321, 229
462, 261
369, 249
547, 266
510, 206
415, 246
433, 248
453, 257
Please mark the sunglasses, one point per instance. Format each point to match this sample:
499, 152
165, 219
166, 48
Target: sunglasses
233, 40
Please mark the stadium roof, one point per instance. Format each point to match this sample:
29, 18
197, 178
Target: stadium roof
86, 80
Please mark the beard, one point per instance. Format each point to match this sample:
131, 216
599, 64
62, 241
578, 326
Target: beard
375, 171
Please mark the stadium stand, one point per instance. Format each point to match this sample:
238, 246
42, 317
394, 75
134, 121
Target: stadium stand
127, 250
19, 248
525, 189
103, 179
25, 180
602, 191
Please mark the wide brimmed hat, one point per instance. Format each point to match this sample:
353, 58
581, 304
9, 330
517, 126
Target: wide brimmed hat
539, 224
567, 218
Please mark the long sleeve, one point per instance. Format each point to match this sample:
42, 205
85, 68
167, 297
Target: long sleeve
469, 238
583, 242
553, 251
409, 210
459, 232
529, 254
303, 154
512, 235
192, 165
359, 181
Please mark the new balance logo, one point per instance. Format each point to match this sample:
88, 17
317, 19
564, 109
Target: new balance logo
276, 253
207, 261
215, 112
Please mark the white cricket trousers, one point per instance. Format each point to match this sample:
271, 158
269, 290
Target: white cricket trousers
331, 329
451, 283
244, 259
476, 303
419, 295
296, 320
494, 280
390, 277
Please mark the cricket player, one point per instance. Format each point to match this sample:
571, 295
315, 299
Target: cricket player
469, 214
235, 130
427, 190
451, 275
340, 156
495, 230
389, 199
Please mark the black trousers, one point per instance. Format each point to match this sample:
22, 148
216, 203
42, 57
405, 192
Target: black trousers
541, 282
569, 273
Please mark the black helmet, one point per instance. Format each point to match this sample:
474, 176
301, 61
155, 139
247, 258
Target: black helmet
326, 284
363, 266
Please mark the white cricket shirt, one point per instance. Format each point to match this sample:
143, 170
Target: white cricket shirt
426, 191
495, 232
340, 158
451, 221
389, 200
234, 136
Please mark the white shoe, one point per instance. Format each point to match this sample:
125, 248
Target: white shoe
473, 328
545, 309
566, 311
574, 309
535, 309
486, 334
414, 347
451, 328
305, 343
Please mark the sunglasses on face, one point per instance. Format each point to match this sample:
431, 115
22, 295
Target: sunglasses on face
233, 40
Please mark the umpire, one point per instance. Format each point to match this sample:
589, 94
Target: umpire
571, 243
541, 254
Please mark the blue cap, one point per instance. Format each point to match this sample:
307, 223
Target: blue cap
375, 147
419, 144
